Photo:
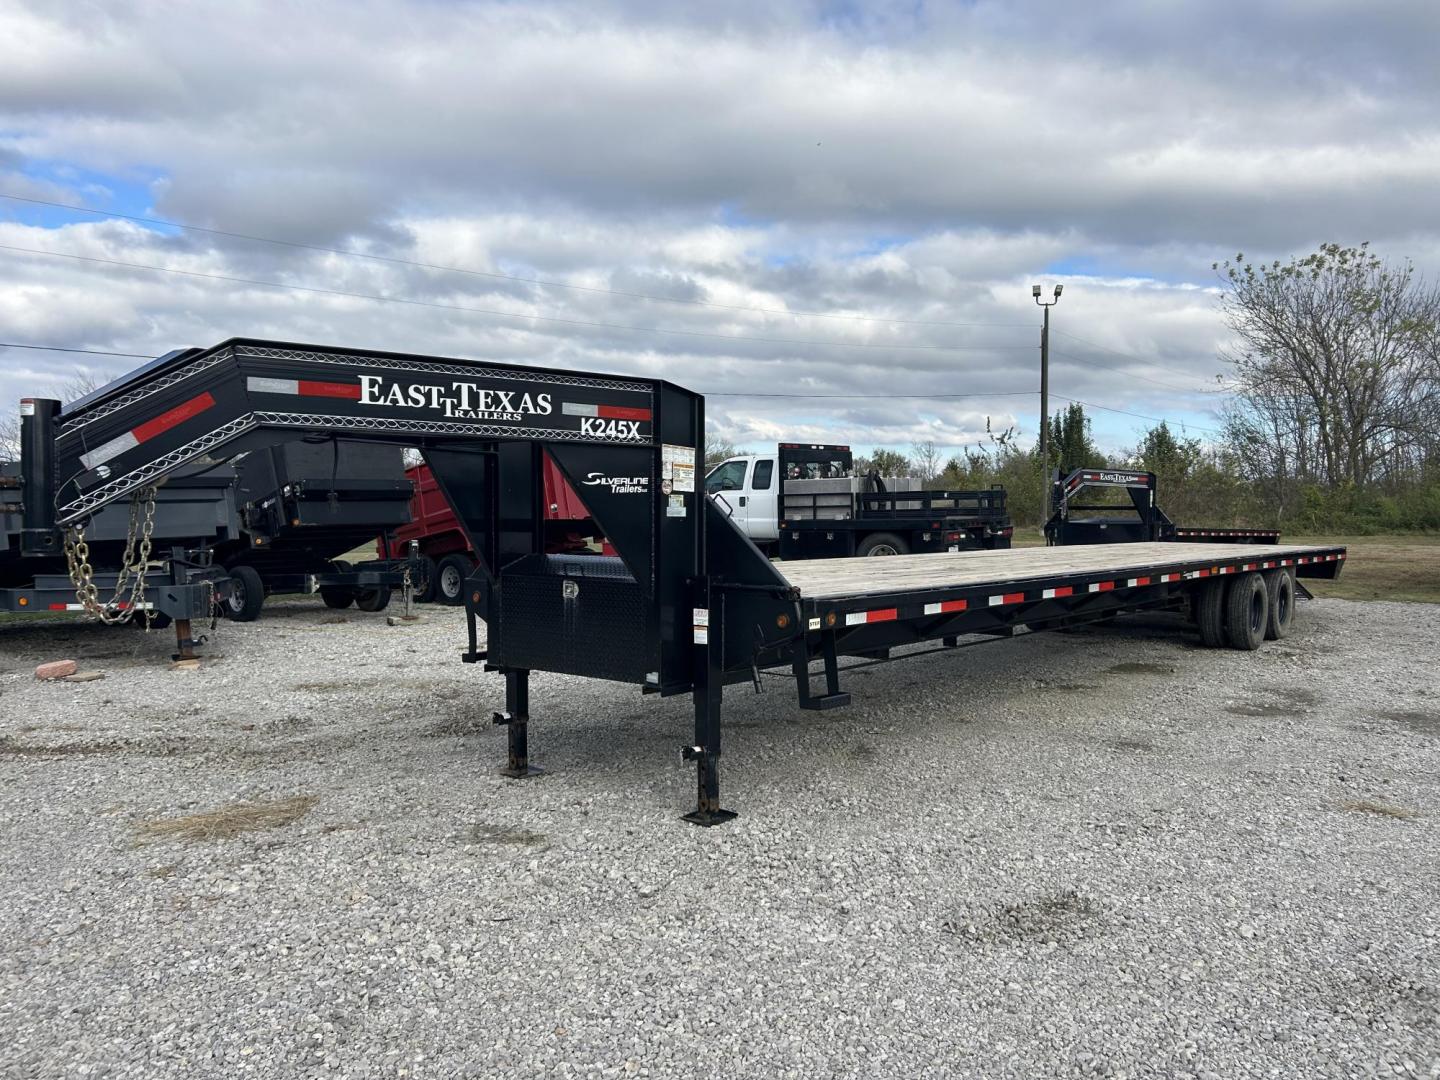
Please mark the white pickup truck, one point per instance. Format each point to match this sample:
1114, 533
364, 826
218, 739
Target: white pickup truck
806, 501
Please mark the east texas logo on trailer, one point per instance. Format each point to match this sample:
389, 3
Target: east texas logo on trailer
467, 400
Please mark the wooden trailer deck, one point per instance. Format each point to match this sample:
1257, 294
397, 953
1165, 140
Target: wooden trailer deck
834, 579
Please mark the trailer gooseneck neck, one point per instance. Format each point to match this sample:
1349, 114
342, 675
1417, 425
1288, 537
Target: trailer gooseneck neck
688, 605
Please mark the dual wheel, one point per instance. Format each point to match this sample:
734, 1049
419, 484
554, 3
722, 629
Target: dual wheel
1244, 611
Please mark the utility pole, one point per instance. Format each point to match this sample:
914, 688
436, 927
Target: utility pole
1045, 398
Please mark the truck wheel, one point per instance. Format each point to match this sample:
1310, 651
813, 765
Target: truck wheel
883, 544
1247, 612
376, 599
450, 578
1209, 608
337, 596
247, 593
425, 580
1282, 604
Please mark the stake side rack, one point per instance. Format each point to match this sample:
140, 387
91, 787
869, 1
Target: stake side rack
687, 606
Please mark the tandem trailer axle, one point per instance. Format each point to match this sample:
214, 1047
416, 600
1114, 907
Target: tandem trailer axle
687, 604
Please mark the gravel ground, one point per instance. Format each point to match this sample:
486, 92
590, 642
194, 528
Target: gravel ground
1111, 853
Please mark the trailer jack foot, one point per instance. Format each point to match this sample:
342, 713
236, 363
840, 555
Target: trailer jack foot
517, 765
184, 645
707, 810
706, 818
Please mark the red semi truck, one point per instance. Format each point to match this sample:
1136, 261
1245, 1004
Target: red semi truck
444, 550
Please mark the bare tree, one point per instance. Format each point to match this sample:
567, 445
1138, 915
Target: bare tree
79, 383
718, 449
1335, 373
925, 457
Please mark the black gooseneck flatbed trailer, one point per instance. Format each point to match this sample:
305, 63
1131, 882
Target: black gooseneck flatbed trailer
1074, 522
689, 604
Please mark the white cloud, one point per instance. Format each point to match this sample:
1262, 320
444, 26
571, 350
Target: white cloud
921, 164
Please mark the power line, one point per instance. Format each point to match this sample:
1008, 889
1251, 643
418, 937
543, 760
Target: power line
1133, 375
546, 283
592, 324
87, 352
727, 393
897, 397
1140, 416
1105, 348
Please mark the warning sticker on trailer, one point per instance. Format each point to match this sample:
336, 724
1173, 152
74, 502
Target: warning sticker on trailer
677, 464
676, 506
701, 620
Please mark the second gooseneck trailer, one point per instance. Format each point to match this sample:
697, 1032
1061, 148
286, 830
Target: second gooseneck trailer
688, 604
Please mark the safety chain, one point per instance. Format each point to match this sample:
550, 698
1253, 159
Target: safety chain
130, 581
407, 591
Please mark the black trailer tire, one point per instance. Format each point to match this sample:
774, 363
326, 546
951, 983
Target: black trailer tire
158, 620
424, 580
450, 578
1282, 604
337, 596
883, 544
1209, 608
247, 594
1247, 612
373, 599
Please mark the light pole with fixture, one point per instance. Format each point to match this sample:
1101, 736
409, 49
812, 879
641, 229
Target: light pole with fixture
1045, 374
1045, 399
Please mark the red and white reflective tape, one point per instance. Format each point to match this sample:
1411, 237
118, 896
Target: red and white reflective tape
946, 607
855, 618
1051, 594
147, 431
303, 388
147, 606
1100, 586
1136, 582
1007, 598
1171, 577
604, 412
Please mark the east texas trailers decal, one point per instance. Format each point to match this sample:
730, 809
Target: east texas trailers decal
516, 402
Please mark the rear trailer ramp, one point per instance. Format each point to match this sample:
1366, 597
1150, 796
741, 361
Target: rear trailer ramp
687, 604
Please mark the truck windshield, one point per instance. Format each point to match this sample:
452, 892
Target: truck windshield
727, 476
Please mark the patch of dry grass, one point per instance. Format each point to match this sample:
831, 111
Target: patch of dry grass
1403, 567
483, 833
1368, 806
230, 821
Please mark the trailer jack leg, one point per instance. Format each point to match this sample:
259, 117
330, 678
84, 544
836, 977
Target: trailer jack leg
707, 810
184, 643
708, 693
516, 719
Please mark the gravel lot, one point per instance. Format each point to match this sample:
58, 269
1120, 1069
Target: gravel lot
1112, 853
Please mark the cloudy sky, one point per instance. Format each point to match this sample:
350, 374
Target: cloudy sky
842, 202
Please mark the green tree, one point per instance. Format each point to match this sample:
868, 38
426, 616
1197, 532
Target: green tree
885, 462
1071, 446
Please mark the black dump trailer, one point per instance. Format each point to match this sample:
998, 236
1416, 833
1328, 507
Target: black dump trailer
689, 604
304, 504
823, 516
275, 520
192, 511
1073, 521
